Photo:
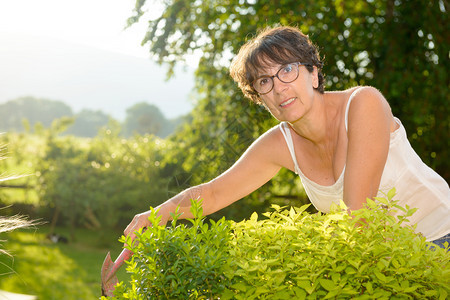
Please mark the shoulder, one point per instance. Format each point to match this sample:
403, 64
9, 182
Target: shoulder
367, 95
368, 108
271, 146
363, 95
271, 137
368, 101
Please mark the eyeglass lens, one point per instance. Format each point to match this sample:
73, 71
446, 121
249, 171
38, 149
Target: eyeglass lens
286, 74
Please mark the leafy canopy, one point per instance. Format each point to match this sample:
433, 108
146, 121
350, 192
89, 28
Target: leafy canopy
400, 47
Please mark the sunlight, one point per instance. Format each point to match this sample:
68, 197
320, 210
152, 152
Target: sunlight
98, 24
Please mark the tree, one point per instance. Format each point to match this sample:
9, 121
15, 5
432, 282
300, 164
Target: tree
94, 182
34, 110
143, 118
88, 123
399, 46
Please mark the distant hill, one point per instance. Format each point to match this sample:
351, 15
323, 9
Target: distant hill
88, 78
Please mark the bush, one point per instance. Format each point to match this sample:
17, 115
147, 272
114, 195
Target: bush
290, 254
180, 262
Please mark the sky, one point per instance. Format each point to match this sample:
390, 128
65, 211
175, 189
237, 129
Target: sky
95, 23
79, 52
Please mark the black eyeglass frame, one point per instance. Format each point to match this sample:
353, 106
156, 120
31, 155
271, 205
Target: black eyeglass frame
298, 64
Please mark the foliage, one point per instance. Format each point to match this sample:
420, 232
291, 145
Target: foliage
326, 256
22, 152
97, 182
100, 182
290, 254
182, 262
400, 47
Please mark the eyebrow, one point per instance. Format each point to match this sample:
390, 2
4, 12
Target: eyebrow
263, 68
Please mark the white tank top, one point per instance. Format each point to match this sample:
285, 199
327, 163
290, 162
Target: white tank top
416, 184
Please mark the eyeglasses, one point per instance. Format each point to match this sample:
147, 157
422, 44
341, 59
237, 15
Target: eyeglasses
286, 74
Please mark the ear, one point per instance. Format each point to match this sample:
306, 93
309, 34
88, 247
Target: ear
315, 77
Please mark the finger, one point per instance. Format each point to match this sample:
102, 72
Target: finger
132, 226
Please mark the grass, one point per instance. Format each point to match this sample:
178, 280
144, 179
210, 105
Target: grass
89, 251
57, 271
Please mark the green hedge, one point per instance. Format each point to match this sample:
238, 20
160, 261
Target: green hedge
289, 254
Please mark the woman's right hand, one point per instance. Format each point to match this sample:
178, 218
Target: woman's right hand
139, 221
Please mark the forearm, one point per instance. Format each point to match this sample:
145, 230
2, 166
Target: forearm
355, 195
257, 165
182, 201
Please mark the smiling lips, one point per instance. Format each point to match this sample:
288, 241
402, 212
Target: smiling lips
287, 102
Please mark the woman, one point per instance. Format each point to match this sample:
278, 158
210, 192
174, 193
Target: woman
343, 144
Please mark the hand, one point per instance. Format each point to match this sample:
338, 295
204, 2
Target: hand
139, 221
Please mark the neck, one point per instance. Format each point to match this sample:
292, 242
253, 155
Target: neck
315, 125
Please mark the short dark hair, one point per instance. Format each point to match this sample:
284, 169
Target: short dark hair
277, 45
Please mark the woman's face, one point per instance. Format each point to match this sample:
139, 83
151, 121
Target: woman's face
290, 101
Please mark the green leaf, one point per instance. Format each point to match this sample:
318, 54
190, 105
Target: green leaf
380, 276
254, 217
395, 263
340, 268
382, 200
299, 293
369, 287
240, 286
404, 284
411, 288
332, 294
336, 217
431, 294
227, 294
327, 284
306, 285
391, 194
302, 208
276, 207
442, 294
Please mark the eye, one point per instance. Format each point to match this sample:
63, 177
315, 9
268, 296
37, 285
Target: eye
263, 81
287, 69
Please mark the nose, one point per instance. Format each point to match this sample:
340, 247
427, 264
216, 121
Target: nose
278, 85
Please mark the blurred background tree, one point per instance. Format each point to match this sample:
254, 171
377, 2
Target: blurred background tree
34, 110
88, 122
144, 118
398, 46
97, 183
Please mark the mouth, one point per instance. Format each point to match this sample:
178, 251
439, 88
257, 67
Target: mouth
287, 102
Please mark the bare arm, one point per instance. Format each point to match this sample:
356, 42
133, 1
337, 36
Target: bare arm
370, 122
253, 169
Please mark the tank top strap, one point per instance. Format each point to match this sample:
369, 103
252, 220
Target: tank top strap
348, 107
288, 137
